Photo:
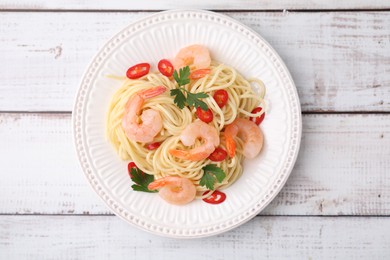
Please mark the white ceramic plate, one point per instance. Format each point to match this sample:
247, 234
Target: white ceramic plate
160, 36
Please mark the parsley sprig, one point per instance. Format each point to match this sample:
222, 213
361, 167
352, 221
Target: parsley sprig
212, 173
141, 180
183, 78
184, 97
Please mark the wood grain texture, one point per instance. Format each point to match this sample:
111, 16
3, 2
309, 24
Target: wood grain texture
39, 167
199, 4
340, 61
108, 237
342, 168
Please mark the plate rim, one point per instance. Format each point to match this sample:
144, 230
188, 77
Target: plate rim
243, 217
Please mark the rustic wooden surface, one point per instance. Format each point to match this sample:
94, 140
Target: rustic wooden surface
55, 48
199, 4
335, 205
106, 237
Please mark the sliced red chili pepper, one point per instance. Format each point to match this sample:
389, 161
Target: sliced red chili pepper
216, 197
153, 146
138, 70
205, 116
221, 97
200, 73
165, 67
257, 120
131, 166
218, 155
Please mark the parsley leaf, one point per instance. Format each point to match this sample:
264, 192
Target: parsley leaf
137, 187
180, 99
183, 77
211, 174
207, 180
193, 100
141, 180
184, 97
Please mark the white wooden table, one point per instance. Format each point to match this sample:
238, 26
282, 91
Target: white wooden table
335, 205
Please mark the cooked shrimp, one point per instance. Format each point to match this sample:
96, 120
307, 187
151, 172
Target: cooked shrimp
188, 137
174, 190
195, 56
249, 132
151, 119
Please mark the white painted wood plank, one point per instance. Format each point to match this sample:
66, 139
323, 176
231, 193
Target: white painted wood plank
198, 4
342, 168
339, 60
108, 237
39, 170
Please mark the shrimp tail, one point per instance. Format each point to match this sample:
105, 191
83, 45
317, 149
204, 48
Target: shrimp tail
152, 92
165, 181
179, 153
230, 146
230, 132
191, 156
157, 184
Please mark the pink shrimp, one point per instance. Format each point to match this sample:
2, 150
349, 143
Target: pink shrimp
174, 190
151, 119
188, 137
196, 56
249, 132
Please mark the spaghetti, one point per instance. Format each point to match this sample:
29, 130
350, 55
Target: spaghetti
159, 162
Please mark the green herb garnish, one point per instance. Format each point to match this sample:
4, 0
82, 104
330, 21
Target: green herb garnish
212, 173
184, 97
183, 78
141, 180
